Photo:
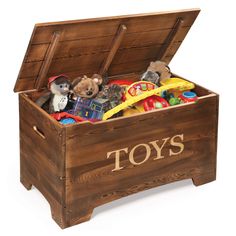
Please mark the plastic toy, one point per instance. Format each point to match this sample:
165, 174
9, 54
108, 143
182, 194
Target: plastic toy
141, 92
186, 97
66, 118
138, 88
120, 82
174, 101
91, 108
123, 83
67, 121
130, 111
176, 92
154, 102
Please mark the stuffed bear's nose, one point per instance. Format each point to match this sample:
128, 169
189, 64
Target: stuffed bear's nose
89, 93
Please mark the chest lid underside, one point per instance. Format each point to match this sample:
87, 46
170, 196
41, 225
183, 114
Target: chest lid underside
111, 45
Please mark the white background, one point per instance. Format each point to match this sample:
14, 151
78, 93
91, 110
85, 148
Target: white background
207, 57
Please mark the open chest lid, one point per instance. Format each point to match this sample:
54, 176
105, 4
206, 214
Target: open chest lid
111, 45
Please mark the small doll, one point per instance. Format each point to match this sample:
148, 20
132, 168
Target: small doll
57, 98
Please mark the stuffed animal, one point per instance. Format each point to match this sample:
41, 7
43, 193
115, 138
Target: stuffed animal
156, 72
56, 99
113, 92
86, 87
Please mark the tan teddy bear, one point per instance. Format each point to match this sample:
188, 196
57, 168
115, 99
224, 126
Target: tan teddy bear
156, 72
86, 87
162, 68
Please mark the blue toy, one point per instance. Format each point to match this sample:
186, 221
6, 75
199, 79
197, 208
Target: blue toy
91, 108
66, 121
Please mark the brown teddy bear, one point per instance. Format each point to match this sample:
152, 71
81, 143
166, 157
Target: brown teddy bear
86, 87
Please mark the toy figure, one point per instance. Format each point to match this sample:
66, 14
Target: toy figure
151, 76
58, 95
86, 87
156, 72
113, 93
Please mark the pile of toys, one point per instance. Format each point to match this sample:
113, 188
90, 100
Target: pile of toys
94, 99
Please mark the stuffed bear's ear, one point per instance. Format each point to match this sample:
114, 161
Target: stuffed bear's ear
76, 81
97, 79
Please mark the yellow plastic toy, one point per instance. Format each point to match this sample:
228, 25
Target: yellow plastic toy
138, 88
130, 111
172, 83
176, 92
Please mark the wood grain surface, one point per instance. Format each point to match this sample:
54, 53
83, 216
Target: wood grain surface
89, 173
42, 159
75, 166
85, 44
70, 165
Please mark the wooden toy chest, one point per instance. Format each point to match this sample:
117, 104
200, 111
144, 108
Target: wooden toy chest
78, 167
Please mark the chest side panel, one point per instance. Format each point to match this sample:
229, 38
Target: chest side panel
110, 160
42, 153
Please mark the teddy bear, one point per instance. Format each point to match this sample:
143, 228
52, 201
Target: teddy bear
156, 72
86, 87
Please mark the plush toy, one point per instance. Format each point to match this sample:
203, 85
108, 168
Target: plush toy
113, 93
156, 72
56, 99
86, 87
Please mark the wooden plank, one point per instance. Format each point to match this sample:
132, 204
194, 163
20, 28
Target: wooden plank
24, 84
120, 128
89, 28
42, 77
101, 44
45, 123
30, 69
114, 47
170, 39
136, 58
31, 175
18, 82
42, 159
36, 52
122, 17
